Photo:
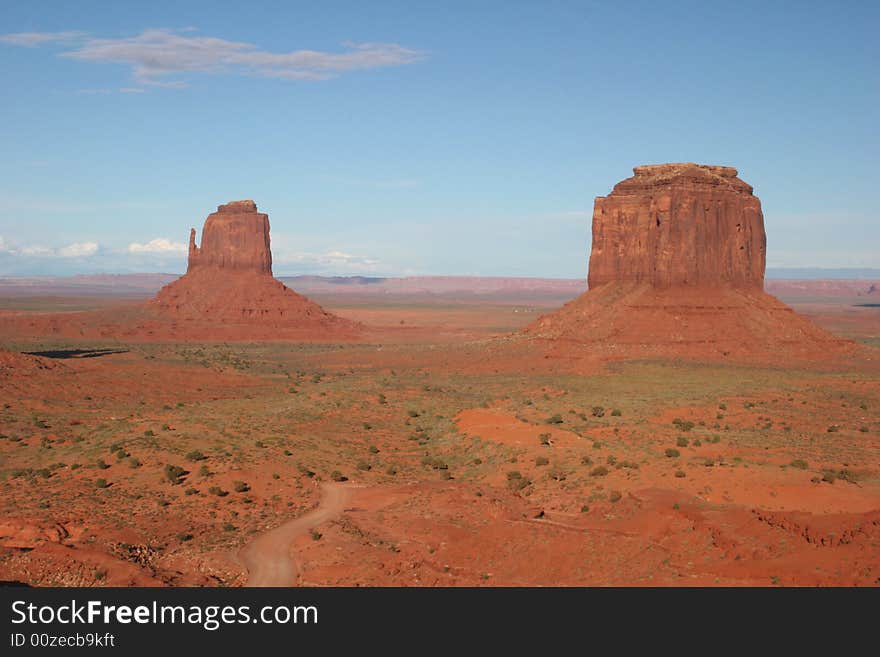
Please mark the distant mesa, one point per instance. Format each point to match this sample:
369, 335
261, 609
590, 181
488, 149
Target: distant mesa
229, 280
677, 269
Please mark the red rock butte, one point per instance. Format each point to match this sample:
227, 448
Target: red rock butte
679, 224
677, 269
229, 282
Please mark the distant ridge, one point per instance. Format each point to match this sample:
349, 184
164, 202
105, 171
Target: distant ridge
783, 282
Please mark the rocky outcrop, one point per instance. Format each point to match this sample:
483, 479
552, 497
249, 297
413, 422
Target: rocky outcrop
679, 224
677, 270
236, 237
229, 287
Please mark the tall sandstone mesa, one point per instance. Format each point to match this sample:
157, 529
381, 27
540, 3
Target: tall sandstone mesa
677, 270
679, 224
229, 286
234, 237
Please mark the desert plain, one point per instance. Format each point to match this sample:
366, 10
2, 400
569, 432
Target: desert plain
440, 432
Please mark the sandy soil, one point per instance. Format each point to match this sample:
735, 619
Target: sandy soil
472, 458
268, 559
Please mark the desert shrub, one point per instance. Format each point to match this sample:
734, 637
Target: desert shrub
679, 474
101, 464
391, 470
616, 412
829, 476
336, 475
683, 425
240, 486
597, 411
672, 453
316, 535
800, 464
149, 433
303, 469
516, 482
586, 460
196, 455
382, 399
599, 471
722, 406
412, 413
833, 428
363, 465
374, 449
259, 443
122, 454
204, 471
542, 460
597, 445
681, 442
585, 509
184, 537
697, 443
863, 429
174, 473
477, 461
134, 463
219, 492
846, 475
229, 527
557, 474
190, 491
367, 426
554, 419
615, 496
611, 459
102, 483
545, 438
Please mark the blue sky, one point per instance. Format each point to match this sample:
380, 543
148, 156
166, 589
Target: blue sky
424, 137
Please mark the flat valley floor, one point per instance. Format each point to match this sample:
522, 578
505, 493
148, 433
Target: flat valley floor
424, 456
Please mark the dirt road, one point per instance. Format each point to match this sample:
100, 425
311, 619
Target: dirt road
268, 557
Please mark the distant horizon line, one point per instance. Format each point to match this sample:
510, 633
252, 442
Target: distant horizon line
774, 273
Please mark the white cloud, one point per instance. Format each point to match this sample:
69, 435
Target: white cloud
329, 262
78, 250
32, 39
75, 250
155, 54
158, 245
35, 250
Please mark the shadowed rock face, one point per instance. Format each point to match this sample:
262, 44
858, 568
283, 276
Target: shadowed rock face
679, 225
236, 237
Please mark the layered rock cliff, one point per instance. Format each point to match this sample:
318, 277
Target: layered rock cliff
677, 270
679, 224
236, 237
